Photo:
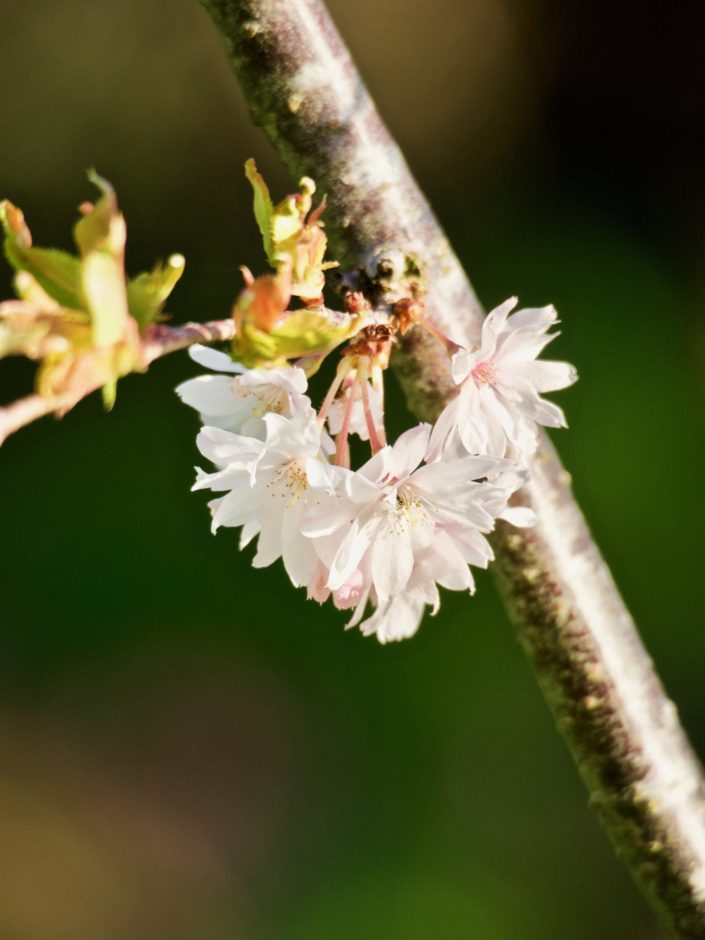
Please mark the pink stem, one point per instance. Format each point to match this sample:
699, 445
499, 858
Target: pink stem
439, 335
375, 441
332, 392
342, 455
22, 412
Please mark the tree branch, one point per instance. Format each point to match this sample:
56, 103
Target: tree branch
644, 781
158, 341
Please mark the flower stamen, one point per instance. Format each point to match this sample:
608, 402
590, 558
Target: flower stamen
484, 373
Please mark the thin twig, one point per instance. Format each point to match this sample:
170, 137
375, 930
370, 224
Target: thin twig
158, 341
24, 411
644, 780
161, 340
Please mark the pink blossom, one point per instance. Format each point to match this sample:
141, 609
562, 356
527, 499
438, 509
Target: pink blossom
499, 403
398, 527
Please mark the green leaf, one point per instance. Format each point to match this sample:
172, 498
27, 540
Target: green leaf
303, 333
263, 207
109, 394
103, 284
147, 292
293, 236
102, 228
286, 226
100, 236
57, 273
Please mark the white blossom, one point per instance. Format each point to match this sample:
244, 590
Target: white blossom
268, 485
396, 528
382, 540
238, 400
499, 402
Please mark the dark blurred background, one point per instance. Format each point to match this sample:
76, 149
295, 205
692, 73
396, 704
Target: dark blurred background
189, 748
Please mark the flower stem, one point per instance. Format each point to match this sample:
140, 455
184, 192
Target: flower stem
340, 375
342, 452
376, 440
439, 335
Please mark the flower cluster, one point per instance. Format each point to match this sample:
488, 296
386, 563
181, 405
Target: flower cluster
380, 539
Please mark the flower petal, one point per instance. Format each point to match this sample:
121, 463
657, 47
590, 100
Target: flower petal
214, 359
209, 394
392, 559
408, 451
548, 375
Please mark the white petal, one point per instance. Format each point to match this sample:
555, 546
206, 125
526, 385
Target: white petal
249, 531
519, 516
359, 610
290, 378
221, 480
320, 475
359, 489
492, 326
448, 567
479, 434
251, 427
223, 447
408, 451
295, 436
377, 467
298, 554
397, 619
392, 560
442, 432
326, 516
269, 543
539, 319
461, 363
353, 546
545, 413
214, 359
474, 547
444, 478
209, 394
548, 375
234, 509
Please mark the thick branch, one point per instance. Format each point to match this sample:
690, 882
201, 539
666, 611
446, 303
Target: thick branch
158, 341
643, 778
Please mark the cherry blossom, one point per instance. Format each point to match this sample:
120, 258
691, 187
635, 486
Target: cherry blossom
499, 403
393, 530
238, 400
268, 485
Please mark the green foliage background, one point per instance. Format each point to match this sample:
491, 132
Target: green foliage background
190, 749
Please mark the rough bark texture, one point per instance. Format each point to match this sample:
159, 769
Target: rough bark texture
644, 781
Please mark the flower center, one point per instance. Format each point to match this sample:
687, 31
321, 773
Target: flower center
410, 510
484, 373
270, 398
290, 482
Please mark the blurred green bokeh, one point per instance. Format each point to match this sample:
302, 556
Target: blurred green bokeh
191, 750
